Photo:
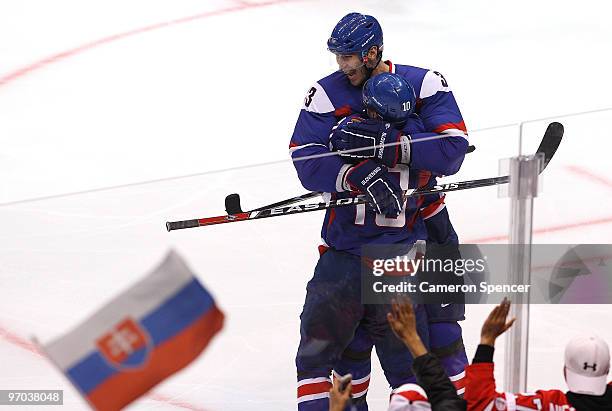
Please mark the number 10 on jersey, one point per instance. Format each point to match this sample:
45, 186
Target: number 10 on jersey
381, 220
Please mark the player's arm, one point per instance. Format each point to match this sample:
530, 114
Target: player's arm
441, 118
309, 146
379, 140
480, 391
427, 368
320, 171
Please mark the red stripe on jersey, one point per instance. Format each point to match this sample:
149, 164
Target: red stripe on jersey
322, 249
343, 111
332, 216
422, 180
332, 212
431, 208
459, 384
447, 126
413, 218
314, 388
359, 388
388, 63
292, 144
424, 177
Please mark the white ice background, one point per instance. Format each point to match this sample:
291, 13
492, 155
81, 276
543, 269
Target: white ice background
223, 91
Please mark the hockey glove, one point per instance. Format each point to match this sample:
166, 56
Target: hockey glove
384, 194
338, 139
369, 138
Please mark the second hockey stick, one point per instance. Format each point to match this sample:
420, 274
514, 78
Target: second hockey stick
233, 206
548, 146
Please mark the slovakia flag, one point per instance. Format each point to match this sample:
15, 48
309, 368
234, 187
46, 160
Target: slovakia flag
147, 333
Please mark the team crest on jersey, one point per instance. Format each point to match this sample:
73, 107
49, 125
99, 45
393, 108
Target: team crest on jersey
126, 345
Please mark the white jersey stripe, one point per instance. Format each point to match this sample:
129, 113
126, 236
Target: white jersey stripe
455, 132
340, 183
312, 397
457, 377
354, 382
296, 148
313, 381
360, 394
510, 401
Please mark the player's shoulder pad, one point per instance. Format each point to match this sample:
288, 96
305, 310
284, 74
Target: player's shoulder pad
433, 82
317, 100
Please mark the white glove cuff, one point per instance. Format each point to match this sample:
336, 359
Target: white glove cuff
405, 150
341, 184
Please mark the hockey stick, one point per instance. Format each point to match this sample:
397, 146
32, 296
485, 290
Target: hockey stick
548, 146
232, 201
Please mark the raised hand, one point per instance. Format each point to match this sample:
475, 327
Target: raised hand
496, 324
403, 323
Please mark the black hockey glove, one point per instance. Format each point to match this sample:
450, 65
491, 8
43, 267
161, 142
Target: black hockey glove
384, 194
369, 138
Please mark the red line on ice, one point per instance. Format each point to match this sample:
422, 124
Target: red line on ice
13, 338
574, 169
545, 230
591, 176
19, 341
10, 77
176, 402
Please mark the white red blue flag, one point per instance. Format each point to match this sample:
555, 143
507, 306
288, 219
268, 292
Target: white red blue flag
145, 334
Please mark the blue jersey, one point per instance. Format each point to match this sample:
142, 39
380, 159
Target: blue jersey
331, 99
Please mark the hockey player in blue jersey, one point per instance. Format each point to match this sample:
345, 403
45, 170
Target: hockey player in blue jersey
332, 311
333, 316
383, 99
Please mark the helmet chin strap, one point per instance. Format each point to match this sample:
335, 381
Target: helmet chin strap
369, 70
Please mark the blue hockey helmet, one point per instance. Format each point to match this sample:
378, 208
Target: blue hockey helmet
390, 96
355, 33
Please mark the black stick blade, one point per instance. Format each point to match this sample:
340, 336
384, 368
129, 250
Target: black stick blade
551, 141
232, 204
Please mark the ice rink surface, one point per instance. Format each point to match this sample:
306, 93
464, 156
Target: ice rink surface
95, 95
